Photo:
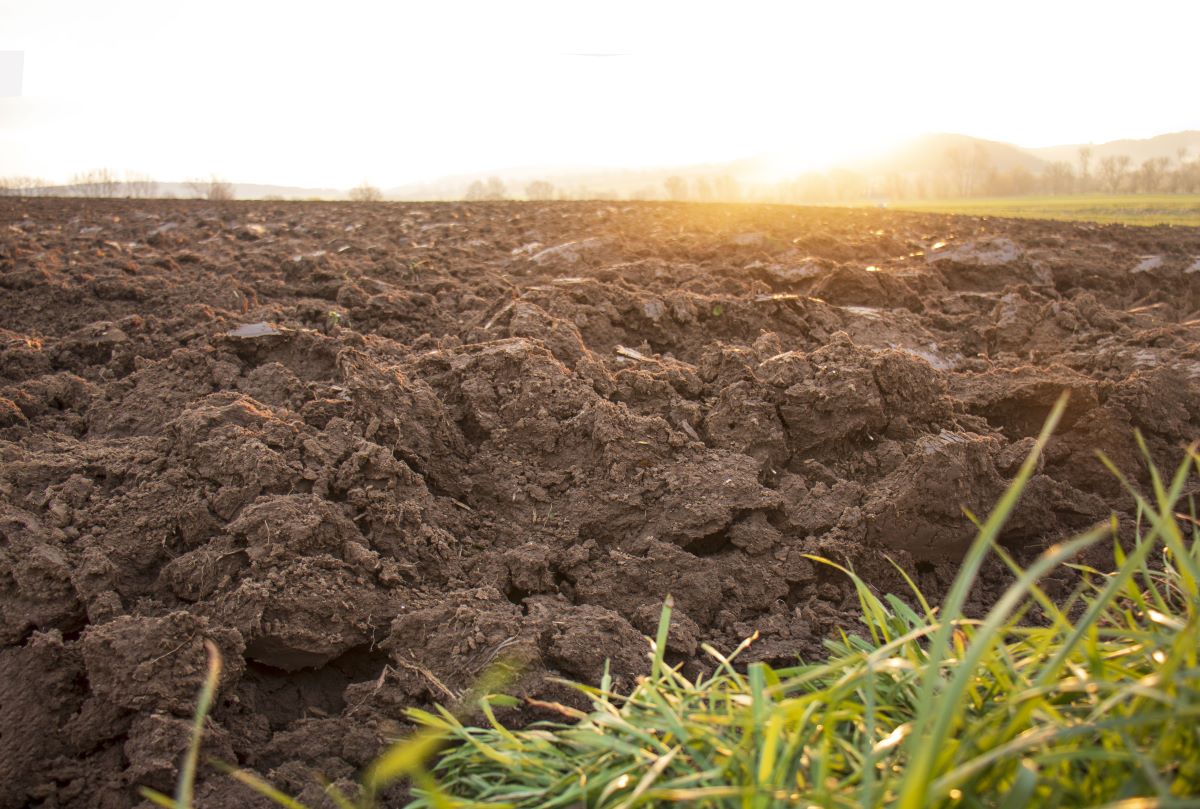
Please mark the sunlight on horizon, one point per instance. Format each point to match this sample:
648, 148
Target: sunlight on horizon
836, 149
268, 93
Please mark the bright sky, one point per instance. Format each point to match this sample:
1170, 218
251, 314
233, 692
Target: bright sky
333, 93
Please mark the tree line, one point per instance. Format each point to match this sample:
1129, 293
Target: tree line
106, 184
963, 173
958, 173
718, 188
95, 183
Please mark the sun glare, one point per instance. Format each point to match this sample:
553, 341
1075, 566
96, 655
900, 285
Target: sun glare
820, 151
408, 94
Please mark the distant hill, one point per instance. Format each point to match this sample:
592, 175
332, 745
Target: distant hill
1167, 146
930, 153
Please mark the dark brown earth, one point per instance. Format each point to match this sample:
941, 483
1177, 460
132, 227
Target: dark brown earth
467, 432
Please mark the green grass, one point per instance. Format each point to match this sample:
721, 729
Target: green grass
1093, 700
1129, 209
187, 772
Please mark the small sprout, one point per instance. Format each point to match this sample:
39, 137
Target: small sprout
718, 310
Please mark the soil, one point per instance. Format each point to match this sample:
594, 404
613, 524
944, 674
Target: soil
369, 450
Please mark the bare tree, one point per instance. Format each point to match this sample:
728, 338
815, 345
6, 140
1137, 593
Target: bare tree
1112, 171
894, 185
726, 188
79, 185
676, 187
1179, 180
1150, 175
1020, 180
1058, 177
96, 183
812, 186
846, 184
1124, 161
967, 173
107, 183
214, 189
475, 191
365, 192
494, 189
1085, 163
491, 189
1188, 177
141, 186
23, 187
979, 169
956, 164
539, 189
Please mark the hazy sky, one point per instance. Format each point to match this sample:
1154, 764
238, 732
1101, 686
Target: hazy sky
329, 94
